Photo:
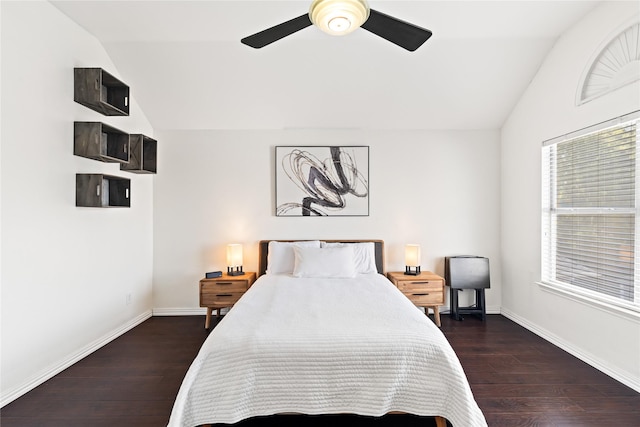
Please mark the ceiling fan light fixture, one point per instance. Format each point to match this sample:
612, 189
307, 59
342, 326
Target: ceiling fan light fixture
338, 17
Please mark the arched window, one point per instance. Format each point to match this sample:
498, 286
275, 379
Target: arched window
615, 65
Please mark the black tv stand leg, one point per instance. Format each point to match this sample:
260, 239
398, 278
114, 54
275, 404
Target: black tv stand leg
453, 297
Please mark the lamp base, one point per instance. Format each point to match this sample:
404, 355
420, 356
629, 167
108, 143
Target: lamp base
409, 272
237, 272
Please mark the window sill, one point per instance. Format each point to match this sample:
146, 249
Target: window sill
571, 293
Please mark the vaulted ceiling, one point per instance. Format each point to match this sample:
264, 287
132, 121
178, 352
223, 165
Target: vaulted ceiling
188, 70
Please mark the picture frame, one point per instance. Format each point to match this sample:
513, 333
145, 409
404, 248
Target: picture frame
330, 180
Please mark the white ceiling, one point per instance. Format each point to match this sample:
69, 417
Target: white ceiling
188, 70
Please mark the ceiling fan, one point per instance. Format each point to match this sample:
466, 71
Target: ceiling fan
340, 17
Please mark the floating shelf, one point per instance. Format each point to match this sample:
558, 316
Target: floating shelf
102, 191
143, 155
100, 91
98, 141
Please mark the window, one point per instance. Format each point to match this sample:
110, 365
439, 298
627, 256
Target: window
589, 215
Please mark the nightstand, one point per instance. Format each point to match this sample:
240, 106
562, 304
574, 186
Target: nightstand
223, 292
424, 290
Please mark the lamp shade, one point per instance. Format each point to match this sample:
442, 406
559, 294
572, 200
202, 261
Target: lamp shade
338, 17
412, 255
234, 255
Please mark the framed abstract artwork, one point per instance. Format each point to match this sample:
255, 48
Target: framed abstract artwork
322, 180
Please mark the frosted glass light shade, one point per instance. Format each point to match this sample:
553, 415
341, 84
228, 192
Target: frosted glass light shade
412, 255
338, 17
234, 255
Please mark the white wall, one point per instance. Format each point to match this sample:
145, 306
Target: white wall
66, 271
436, 188
608, 340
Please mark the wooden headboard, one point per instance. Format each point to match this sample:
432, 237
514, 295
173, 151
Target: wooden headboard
378, 245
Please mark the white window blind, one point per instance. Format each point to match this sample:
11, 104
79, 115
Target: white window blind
589, 218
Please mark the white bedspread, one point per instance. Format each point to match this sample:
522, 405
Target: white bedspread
324, 346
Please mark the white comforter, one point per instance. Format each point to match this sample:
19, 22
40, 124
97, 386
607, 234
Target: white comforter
324, 346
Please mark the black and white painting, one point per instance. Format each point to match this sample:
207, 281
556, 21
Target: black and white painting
322, 181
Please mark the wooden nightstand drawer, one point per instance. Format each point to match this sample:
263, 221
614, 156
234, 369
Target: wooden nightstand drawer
420, 286
216, 286
222, 299
426, 298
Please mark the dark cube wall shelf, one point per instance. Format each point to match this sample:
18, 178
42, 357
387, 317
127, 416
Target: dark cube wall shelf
102, 191
142, 156
99, 141
100, 91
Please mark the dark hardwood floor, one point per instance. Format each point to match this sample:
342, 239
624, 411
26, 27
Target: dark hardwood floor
518, 379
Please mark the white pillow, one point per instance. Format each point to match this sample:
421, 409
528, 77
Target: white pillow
324, 262
280, 259
364, 255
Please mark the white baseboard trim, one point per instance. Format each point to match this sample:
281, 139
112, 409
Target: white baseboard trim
56, 368
168, 311
588, 358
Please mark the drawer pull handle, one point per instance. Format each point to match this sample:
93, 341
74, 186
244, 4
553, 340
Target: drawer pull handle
224, 295
225, 283
420, 295
420, 283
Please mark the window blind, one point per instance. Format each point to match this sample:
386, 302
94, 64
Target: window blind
589, 218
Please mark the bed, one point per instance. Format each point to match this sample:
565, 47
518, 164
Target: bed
323, 331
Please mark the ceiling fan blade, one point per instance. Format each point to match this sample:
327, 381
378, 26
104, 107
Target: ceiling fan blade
402, 33
273, 34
